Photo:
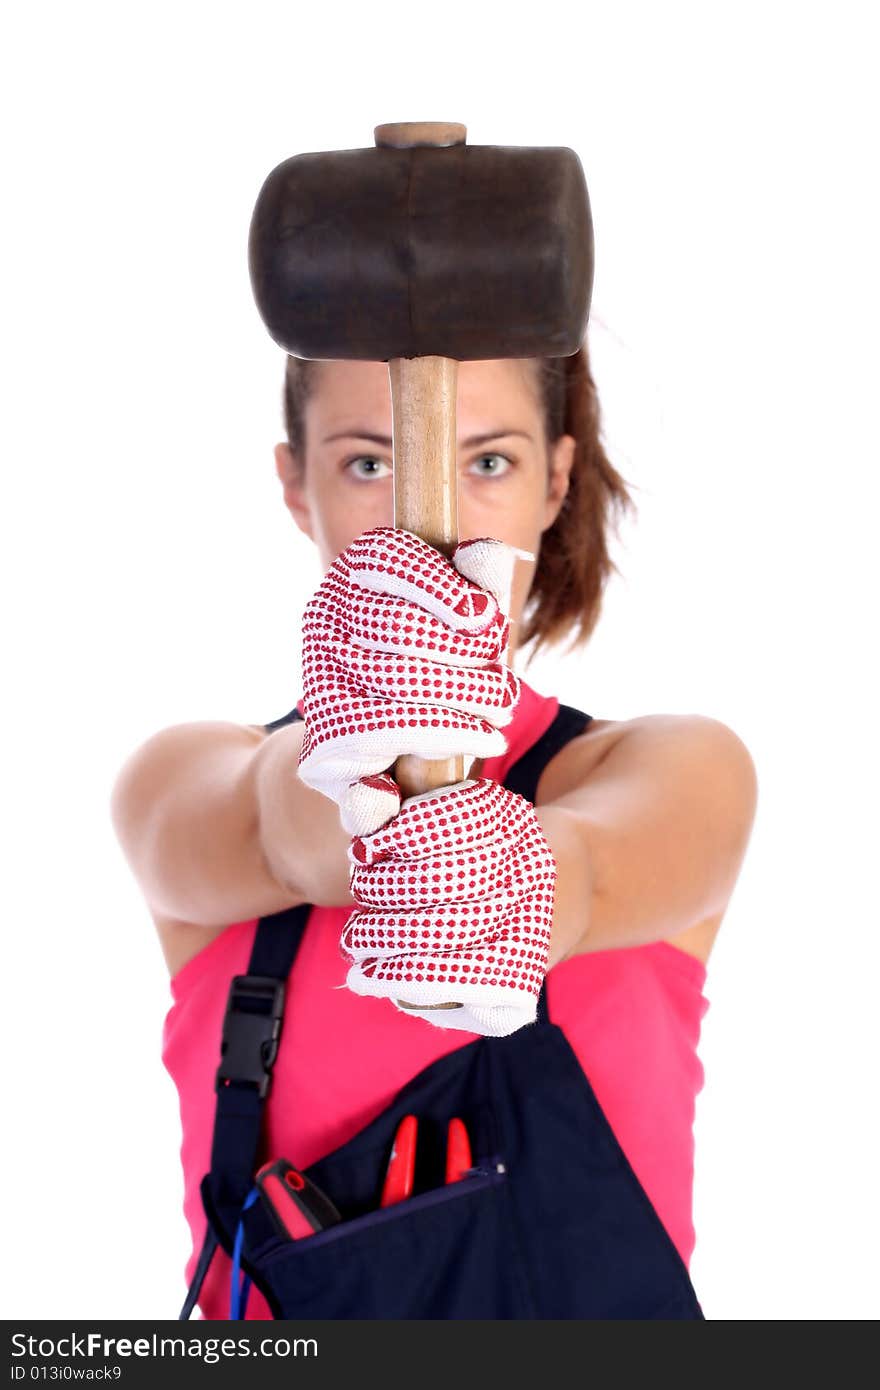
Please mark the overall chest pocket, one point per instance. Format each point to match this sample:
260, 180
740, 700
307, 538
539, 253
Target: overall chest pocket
442, 1254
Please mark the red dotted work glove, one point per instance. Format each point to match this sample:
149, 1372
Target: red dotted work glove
455, 903
403, 652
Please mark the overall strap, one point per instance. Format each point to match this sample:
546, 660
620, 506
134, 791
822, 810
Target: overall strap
292, 718
251, 1033
524, 775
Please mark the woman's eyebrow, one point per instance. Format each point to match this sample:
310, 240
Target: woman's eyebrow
384, 439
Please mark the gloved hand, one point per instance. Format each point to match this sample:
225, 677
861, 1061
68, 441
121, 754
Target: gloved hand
403, 652
455, 903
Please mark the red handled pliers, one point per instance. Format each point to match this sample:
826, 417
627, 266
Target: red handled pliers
402, 1164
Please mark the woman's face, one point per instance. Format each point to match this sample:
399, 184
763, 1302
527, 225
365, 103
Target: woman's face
511, 484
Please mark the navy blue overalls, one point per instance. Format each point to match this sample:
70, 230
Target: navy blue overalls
553, 1223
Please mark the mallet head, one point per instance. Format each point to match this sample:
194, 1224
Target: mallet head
459, 251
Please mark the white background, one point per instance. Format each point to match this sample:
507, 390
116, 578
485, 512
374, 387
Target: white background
152, 575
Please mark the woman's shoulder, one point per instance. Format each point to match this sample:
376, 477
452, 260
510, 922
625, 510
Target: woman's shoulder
581, 756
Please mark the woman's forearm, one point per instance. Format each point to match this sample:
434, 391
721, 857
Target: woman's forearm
185, 819
217, 828
574, 882
300, 833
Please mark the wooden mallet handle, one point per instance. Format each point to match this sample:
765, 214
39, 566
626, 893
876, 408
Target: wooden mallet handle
425, 460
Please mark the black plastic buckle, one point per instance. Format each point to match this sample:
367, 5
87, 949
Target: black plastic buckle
251, 1030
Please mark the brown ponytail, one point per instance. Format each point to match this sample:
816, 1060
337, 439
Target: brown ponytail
574, 563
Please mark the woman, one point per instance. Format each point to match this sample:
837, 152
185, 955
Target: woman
647, 821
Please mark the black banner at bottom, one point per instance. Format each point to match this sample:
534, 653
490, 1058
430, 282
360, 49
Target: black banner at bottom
132, 1354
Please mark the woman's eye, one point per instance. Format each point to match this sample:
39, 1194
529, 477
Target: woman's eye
495, 459
367, 466
372, 471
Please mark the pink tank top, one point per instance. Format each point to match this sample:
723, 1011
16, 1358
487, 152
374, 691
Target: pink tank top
632, 1017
